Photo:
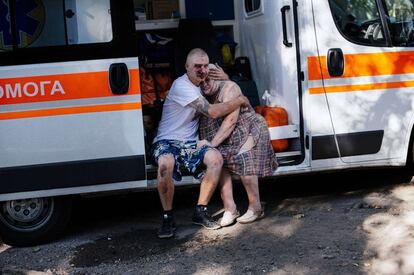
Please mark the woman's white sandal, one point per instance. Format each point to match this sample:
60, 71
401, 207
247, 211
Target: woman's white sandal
229, 218
251, 216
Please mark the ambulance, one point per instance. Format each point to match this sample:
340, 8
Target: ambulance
72, 114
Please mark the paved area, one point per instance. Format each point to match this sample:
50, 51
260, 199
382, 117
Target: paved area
346, 223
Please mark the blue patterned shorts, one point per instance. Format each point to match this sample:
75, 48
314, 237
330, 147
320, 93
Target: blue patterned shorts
186, 156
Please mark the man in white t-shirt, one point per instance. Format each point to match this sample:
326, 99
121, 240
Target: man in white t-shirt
176, 144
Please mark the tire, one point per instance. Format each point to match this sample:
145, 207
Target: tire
35, 221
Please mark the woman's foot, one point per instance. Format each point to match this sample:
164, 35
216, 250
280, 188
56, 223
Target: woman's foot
229, 218
251, 216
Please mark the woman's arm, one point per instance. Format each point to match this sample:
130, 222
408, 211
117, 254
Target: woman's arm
230, 91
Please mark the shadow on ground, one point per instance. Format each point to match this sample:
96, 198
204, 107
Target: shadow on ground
319, 224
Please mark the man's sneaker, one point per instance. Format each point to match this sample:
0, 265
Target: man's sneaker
202, 217
167, 228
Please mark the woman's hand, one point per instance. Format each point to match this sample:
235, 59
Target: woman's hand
203, 142
218, 73
244, 102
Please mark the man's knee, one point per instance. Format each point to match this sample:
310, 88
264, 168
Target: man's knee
165, 166
213, 159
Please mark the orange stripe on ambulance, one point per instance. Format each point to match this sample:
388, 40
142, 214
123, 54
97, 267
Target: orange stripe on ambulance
31, 89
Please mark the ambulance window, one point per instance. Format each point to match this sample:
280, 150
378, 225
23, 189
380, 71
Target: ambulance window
400, 15
359, 21
43, 23
88, 21
251, 6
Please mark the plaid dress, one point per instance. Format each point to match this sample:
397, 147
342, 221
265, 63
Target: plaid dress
260, 160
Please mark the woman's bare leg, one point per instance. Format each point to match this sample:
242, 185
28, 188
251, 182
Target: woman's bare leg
251, 184
226, 187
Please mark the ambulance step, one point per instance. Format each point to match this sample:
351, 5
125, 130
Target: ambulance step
287, 158
288, 154
282, 132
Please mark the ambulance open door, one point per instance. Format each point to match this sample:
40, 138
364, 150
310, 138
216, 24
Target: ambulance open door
363, 84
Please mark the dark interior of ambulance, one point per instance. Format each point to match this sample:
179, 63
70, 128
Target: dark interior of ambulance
162, 52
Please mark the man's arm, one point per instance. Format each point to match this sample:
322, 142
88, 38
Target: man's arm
220, 109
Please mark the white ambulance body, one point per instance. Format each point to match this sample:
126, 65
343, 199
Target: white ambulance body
71, 116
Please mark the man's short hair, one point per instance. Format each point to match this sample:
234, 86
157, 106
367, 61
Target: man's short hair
194, 52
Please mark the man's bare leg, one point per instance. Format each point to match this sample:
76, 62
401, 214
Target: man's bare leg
165, 188
214, 161
165, 180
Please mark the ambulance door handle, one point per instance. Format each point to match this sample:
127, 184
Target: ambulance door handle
119, 78
335, 62
283, 10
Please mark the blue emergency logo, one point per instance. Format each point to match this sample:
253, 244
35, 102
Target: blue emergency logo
30, 18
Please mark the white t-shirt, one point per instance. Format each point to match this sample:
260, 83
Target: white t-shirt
179, 120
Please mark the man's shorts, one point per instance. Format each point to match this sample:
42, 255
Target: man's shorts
186, 156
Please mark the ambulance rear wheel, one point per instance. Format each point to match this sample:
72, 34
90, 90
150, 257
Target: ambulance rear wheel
29, 222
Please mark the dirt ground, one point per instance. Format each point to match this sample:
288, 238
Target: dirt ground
346, 223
